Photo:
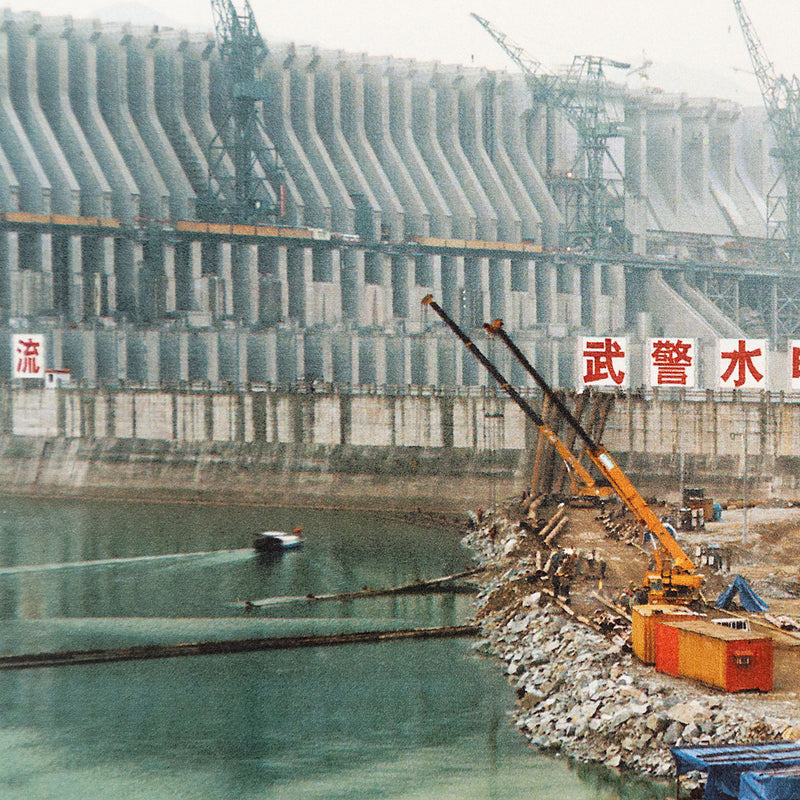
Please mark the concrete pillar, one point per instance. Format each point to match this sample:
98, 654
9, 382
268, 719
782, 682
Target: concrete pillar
354, 128
500, 288
723, 142
484, 308
664, 148
403, 305
453, 285
174, 356
546, 292
245, 294
370, 206
226, 278
376, 116
9, 269
113, 95
695, 143
353, 287
199, 300
127, 299
519, 125
326, 348
636, 176
83, 86
233, 356
592, 296
299, 277
282, 271
477, 115
400, 119
431, 361
425, 123
353, 341
616, 291
570, 295
379, 343
107, 265
170, 289
76, 301
280, 126
151, 341
45, 299
448, 116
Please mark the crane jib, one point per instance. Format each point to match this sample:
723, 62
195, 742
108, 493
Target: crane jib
667, 548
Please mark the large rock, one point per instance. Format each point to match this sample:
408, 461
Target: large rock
690, 711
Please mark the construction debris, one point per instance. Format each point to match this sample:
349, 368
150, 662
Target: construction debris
580, 691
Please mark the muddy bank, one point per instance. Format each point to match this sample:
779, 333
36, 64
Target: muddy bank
583, 693
379, 478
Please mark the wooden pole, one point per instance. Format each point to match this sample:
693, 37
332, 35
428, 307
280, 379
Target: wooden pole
151, 651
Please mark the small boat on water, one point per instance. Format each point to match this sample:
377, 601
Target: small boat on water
275, 541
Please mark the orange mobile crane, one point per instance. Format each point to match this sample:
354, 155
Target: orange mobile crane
672, 579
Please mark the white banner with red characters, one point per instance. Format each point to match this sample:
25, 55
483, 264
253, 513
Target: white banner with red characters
27, 355
604, 361
742, 364
672, 362
794, 364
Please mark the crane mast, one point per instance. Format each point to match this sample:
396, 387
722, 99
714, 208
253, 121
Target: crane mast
245, 174
591, 204
781, 97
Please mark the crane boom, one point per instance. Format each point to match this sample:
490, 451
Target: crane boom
603, 461
588, 486
592, 204
781, 97
671, 580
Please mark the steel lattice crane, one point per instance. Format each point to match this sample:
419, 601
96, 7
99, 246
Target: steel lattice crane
593, 205
782, 101
255, 191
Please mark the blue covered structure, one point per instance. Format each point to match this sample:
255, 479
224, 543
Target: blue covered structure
747, 597
779, 784
769, 771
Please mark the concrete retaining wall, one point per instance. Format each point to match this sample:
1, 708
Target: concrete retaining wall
403, 449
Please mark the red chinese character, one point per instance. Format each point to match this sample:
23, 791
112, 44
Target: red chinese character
600, 357
741, 359
29, 356
671, 360
796, 362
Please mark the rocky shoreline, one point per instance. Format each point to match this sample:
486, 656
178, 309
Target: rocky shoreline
583, 693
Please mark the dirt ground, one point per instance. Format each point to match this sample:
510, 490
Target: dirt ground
766, 552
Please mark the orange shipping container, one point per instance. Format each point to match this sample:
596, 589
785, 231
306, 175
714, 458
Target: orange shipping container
644, 620
729, 659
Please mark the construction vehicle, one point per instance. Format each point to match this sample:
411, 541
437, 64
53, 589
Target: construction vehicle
672, 578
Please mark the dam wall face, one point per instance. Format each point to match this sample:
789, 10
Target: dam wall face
400, 179
381, 449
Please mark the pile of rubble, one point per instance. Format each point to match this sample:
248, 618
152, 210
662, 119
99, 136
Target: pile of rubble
583, 693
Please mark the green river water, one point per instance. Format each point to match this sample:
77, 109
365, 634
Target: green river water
421, 720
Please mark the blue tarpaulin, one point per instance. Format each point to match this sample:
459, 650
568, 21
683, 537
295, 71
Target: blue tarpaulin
779, 784
747, 597
726, 764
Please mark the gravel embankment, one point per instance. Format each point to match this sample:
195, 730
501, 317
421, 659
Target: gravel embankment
586, 695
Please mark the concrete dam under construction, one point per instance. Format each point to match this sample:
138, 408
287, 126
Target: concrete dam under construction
398, 179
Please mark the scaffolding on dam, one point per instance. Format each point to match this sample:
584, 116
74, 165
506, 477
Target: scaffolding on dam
400, 179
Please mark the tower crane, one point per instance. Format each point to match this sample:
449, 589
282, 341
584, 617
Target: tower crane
592, 205
781, 97
255, 191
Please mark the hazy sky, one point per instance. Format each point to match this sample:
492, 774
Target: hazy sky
696, 46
